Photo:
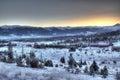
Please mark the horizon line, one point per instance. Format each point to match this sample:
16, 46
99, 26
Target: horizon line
60, 26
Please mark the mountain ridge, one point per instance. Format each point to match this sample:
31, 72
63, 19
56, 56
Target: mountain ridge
8, 30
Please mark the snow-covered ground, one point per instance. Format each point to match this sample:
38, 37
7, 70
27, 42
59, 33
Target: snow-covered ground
13, 72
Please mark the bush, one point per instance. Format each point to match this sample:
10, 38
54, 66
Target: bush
62, 60
115, 62
49, 63
34, 63
56, 65
2, 58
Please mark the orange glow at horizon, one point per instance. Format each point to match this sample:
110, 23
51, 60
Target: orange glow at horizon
88, 21
97, 21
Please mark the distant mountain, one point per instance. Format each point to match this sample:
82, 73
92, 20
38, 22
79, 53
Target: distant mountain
54, 31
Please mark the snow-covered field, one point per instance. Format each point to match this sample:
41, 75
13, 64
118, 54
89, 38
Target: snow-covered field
13, 72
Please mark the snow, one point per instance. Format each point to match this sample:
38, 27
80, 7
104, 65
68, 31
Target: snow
117, 44
12, 37
13, 72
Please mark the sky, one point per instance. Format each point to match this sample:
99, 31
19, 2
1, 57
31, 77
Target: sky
45, 13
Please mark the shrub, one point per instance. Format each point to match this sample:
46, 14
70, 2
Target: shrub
49, 63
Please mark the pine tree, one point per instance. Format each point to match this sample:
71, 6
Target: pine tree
27, 61
105, 72
84, 63
115, 62
10, 52
80, 63
32, 55
117, 76
93, 68
19, 61
71, 61
101, 71
86, 70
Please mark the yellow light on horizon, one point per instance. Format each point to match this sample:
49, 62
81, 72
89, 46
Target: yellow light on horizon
88, 21
97, 21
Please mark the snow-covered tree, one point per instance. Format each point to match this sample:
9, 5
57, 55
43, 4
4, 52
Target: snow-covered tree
10, 53
86, 70
19, 61
71, 62
93, 68
27, 61
104, 72
32, 55
117, 76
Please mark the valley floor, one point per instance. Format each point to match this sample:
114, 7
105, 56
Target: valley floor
13, 72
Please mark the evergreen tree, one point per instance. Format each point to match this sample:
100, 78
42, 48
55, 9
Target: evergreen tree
101, 71
105, 72
86, 70
27, 61
2, 58
19, 61
71, 61
10, 52
93, 68
23, 56
32, 55
62, 60
10, 55
80, 63
115, 62
84, 63
117, 76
